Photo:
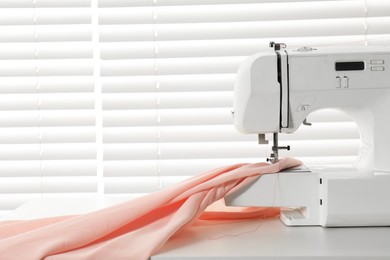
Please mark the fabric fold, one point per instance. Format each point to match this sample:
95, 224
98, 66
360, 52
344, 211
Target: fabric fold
138, 228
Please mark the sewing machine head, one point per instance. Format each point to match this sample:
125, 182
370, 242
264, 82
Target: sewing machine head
275, 91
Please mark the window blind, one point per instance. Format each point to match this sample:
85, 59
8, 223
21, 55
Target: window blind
117, 97
47, 101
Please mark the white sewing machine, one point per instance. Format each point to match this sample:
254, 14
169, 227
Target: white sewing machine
275, 91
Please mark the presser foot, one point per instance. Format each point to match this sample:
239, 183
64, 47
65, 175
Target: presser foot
274, 156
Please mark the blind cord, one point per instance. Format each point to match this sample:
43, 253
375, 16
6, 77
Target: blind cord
39, 98
157, 91
365, 9
98, 99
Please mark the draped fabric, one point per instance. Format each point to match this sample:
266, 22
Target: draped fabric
138, 228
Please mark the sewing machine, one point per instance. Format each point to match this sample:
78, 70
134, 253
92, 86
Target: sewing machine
275, 92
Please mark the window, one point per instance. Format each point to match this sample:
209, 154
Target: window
113, 97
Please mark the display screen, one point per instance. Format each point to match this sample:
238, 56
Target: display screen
350, 65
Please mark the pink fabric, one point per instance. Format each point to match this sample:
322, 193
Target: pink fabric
137, 228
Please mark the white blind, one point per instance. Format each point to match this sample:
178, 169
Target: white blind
47, 100
127, 96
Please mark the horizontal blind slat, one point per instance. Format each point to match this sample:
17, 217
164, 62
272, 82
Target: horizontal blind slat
379, 25
73, 67
167, 100
79, 184
144, 151
38, 168
38, 16
208, 31
60, 50
114, 168
232, 13
167, 117
134, 3
378, 39
47, 135
169, 83
140, 184
44, 118
378, 7
177, 66
47, 101
44, 3
46, 33
54, 84
68, 151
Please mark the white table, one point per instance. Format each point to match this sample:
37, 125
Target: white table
267, 240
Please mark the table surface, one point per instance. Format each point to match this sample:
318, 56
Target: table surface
254, 239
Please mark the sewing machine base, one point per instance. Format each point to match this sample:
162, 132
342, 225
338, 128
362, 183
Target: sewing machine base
326, 196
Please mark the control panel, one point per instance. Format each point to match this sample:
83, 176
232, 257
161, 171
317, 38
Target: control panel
345, 70
316, 70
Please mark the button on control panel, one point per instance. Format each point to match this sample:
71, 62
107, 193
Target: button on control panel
377, 68
342, 82
377, 62
345, 82
338, 82
377, 65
